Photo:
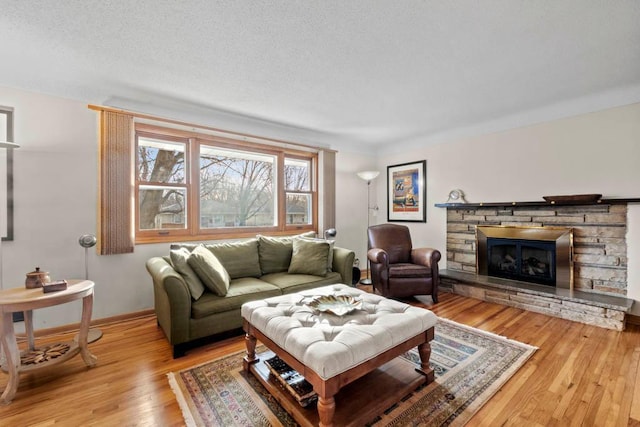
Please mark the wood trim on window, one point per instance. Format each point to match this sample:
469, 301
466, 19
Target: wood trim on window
194, 231
117, 182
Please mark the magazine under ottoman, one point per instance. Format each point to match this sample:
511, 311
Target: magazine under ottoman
348, 359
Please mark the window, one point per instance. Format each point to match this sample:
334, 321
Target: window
237, 188
5, 115
198, 186
6, 177
162, 189
299, 198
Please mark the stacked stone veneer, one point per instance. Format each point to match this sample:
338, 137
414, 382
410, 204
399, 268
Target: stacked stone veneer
599, 256
599, 244
605, 317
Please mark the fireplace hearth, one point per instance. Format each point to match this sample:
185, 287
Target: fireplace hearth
541, 255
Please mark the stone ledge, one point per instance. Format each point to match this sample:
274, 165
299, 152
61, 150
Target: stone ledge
593, 309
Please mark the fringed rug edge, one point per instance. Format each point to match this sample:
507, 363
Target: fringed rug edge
484, 397
182, 402
491, 334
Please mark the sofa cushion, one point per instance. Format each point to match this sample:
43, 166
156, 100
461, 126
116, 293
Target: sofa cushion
309, 257
179, 260
240, 291
289, 283
275, 252
240, 259
209, 270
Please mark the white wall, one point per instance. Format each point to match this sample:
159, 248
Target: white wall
55, 186
351, 202
55, 177
591, 153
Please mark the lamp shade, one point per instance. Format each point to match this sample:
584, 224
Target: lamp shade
87, 240
368, 175
7, 144
331, 232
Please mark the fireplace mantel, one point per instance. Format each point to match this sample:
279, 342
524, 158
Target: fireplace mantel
536, 203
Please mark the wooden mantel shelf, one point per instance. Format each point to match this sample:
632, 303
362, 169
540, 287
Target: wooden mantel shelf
537, 203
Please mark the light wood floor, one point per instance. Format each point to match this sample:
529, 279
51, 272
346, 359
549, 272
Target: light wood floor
581, 375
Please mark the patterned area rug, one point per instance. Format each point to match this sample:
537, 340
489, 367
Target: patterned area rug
470, 366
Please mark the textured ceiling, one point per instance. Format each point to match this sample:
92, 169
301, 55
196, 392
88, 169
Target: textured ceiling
365, 73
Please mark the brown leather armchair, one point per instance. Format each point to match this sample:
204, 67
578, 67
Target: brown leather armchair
398, 269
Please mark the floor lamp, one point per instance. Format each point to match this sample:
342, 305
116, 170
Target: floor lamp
88, 241
368, 176
331, 232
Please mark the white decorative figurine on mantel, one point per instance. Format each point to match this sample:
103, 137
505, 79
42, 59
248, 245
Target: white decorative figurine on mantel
456, 196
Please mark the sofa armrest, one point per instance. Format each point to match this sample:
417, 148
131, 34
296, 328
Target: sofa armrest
172, 300
343, 263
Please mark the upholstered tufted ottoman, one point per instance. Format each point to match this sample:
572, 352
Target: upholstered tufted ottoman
331, 351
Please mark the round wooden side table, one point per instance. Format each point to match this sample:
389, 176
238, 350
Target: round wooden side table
33, 358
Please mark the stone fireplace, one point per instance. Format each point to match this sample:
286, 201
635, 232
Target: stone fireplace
599, 244
589, 259
541, 255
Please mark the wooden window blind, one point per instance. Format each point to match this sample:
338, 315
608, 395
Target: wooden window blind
327, 190
115, 224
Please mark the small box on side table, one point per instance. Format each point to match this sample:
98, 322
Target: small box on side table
58, 285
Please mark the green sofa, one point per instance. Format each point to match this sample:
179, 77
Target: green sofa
254, 268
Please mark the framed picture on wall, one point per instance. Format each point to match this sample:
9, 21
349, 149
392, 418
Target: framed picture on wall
407, 192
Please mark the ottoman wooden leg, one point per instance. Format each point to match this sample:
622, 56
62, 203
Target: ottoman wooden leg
250, 357
326, 409
424, 350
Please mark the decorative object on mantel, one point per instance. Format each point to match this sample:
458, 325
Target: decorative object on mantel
456, 196
36, 279
575, 198
622, 201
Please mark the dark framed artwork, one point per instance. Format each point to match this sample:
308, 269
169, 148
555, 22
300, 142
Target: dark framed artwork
6, 174
407, 192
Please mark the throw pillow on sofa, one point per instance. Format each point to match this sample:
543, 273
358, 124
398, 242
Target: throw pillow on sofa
275, 252
210, 270
309, 257
179, 259
331, 244
240, 259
